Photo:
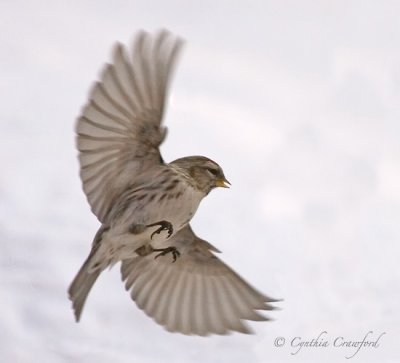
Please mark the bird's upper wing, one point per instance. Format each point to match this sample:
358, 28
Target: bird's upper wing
119, 130
198, 294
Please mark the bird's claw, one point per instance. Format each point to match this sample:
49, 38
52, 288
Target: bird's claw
164, 251
164, 226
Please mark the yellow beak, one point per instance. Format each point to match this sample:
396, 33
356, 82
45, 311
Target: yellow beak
222, 183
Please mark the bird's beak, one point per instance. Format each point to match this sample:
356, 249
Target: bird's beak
222, 183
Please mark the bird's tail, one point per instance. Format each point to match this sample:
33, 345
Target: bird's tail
86, 277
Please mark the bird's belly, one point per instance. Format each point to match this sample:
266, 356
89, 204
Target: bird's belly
178, 211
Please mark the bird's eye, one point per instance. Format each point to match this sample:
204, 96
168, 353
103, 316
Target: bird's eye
213, 171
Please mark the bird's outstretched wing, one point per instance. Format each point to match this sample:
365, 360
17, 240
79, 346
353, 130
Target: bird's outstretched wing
198, 294
119, 130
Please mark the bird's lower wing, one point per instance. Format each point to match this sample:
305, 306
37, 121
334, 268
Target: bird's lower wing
198, 294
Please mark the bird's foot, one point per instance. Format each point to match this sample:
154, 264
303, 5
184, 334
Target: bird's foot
164, 226
165, 251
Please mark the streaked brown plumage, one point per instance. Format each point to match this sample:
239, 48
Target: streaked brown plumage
145, 205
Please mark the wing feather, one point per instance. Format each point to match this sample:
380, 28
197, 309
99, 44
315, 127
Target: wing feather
198, 294
119, 130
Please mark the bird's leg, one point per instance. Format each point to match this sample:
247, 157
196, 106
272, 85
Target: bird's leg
164, 251
164, 226
144, 250
147, 249
137, 228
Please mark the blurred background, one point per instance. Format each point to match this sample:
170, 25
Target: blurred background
299, 103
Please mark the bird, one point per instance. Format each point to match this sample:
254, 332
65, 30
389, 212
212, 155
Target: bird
145, 204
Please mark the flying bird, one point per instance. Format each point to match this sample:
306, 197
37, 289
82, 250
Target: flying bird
145, 204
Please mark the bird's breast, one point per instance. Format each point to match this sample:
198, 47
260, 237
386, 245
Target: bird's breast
175, 205
179, 206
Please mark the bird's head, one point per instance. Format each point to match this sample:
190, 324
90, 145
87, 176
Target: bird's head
205, 173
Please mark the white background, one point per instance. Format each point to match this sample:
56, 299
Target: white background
297, 100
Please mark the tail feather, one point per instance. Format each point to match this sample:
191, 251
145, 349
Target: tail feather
81, 286
85, 278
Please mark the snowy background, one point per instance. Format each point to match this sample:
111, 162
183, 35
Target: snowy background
299, 101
